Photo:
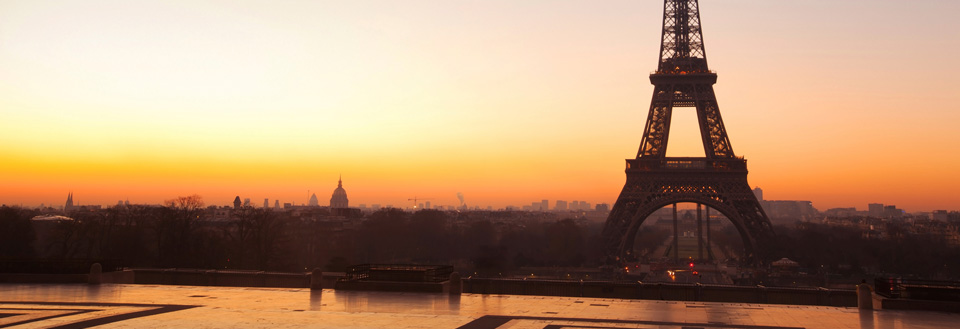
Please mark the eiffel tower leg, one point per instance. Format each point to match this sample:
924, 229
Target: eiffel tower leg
657, 129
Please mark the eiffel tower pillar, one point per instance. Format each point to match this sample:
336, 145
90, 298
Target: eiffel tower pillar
717, 180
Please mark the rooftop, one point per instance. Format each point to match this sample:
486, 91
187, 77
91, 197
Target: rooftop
152, 306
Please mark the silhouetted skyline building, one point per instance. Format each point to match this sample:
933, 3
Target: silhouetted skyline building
339, 198
236, 202
560, 206
314, 201
603, 207
68, 206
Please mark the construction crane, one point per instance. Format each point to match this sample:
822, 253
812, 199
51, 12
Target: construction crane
415, 199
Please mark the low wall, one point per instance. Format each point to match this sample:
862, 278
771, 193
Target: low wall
195, 277
396, 286
663, 291
42, 278
884, 303
125, 276
198, 277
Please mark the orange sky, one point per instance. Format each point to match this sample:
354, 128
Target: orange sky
506, 102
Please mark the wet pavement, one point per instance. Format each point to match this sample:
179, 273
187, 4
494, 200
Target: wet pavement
151, 306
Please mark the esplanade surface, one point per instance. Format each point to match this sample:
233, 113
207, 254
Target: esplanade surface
157, 306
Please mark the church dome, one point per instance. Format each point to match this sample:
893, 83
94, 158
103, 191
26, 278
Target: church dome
339, 198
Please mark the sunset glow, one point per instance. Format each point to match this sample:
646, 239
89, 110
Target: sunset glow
507, 102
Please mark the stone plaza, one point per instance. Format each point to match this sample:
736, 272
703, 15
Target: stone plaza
168, 306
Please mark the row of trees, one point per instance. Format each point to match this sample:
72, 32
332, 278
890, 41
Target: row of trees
848, 250
178, 234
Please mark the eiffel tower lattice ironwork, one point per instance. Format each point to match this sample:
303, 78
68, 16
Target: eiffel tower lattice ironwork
717, 180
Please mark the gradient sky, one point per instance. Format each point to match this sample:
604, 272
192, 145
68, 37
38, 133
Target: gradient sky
837, 102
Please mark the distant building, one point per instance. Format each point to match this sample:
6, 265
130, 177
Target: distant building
875, 210
314, 202
236, 202
545, 205
536, 206
785, 212
276, 204
941, 215
603, 207
758, 192
892, 212
841, 212
266, 203
428, 205
246, 202
561, 206
69, 206
339, 198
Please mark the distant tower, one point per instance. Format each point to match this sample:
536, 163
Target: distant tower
69, 205
313, 201
236, 202
266, 203
758, 192
276, 204
339, 198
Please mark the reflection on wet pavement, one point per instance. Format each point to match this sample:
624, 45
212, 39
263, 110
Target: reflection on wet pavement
138, 306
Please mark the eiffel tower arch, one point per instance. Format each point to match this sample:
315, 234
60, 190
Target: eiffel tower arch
717, 180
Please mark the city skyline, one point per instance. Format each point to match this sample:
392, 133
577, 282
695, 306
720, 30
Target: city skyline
506, 103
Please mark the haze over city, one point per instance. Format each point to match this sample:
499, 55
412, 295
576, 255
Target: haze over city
506, 102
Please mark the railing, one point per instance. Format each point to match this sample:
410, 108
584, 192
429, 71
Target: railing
731, 165
399, 272
917, 289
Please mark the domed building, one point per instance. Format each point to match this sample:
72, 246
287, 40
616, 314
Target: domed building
339, 198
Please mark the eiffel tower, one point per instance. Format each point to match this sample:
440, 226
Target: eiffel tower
718, 180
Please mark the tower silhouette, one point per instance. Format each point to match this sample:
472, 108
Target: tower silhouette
717, 180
